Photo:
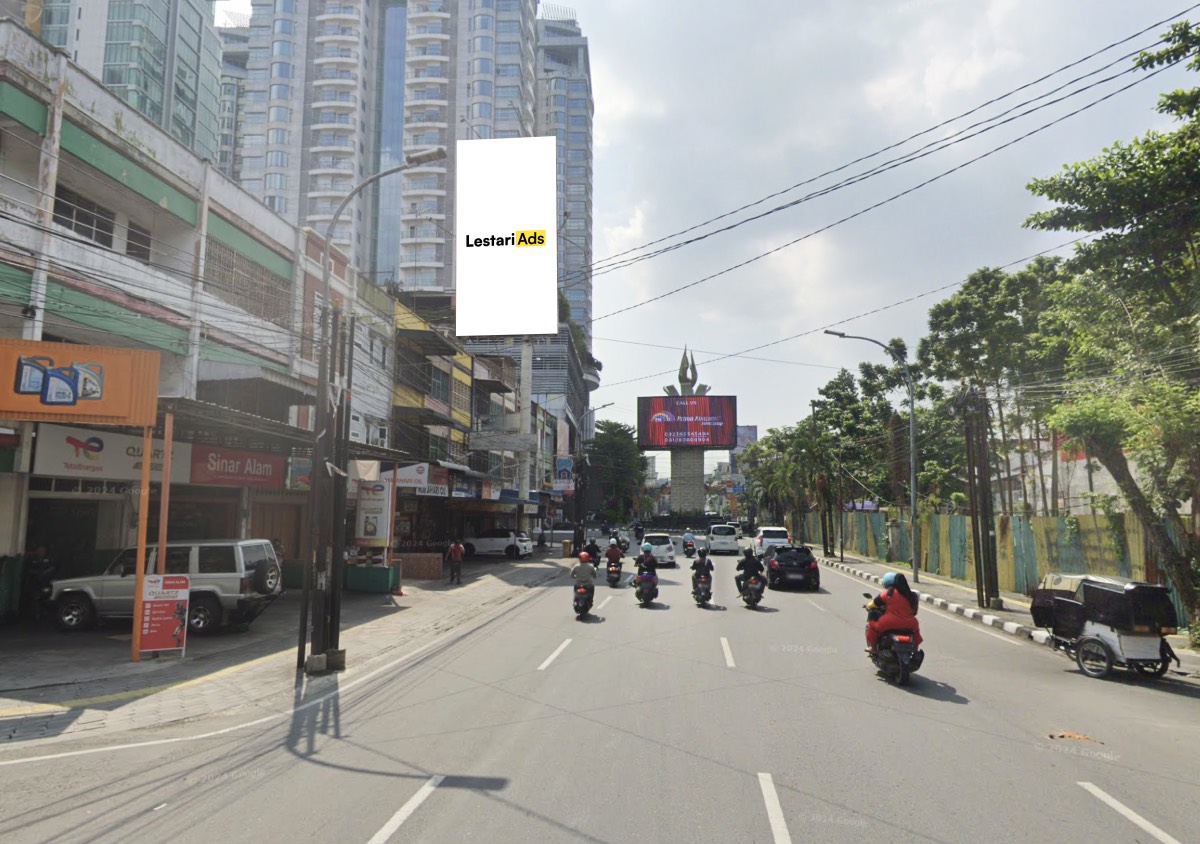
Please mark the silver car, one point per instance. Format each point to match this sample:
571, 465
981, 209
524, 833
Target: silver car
231, 581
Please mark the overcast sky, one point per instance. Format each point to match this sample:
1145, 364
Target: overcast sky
702, 107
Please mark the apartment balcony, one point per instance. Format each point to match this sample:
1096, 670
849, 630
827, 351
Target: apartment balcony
347, 58
338, 13
347, 126
349, 36
422, 12
333, 145
336, 168
333, 79
415, 214
326, 101
423, 240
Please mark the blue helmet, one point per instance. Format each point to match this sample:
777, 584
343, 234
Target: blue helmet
647, 547
889, 579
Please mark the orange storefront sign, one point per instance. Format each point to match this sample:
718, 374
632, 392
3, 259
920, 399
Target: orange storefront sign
63, 382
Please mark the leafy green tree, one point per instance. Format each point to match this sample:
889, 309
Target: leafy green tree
1129, 317
615, 470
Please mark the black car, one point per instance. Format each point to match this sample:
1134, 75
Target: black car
793, 565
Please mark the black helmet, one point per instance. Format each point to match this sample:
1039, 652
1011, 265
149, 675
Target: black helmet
749, 552
703, 552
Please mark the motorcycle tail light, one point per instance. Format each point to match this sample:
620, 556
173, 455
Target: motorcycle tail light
774, 564
581, 591
1141, 628
903, 638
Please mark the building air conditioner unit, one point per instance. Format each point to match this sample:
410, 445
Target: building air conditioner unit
356, 436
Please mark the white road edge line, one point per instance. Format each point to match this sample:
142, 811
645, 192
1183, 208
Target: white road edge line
550, 658
1127, 813
728, 653
774, 810
1008, 640
605, 601
815, 604
414, 802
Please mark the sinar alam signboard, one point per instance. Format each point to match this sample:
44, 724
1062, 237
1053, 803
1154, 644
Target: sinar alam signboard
507, 247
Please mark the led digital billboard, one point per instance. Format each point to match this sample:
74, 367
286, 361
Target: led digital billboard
666, 422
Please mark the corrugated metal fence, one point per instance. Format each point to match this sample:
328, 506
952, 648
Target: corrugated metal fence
1027, 547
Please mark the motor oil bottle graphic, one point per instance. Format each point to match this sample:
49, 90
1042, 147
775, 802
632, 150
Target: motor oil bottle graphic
31, 374
60, 386
90, 386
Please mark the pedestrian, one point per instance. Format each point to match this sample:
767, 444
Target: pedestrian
36, 580
278, 546
454, 556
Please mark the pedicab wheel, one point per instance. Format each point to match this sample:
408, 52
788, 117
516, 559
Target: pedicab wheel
1152, 669
1094, 658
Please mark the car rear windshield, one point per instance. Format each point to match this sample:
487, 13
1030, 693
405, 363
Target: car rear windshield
794, 555
722, 530
659, 540
775, 534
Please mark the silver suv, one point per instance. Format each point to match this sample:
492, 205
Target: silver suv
232, 581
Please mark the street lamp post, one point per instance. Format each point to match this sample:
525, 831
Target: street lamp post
914, 534
322, 436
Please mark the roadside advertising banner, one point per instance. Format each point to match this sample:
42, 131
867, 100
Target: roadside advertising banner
506, 224
374, 510
564, 473
164, 612
97, 384
409, 477
230, 467
90, 453
438, 485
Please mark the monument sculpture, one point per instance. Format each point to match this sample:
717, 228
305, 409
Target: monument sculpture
687, 464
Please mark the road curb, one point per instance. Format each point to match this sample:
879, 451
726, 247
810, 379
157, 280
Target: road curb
1020, 631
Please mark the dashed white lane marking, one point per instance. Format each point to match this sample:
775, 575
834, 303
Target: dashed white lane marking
815, 604
550, 658
1127, 813
159, 806
728, 653
414, 802
605, 601
774, 810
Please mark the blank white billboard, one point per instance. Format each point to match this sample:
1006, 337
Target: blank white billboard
507, 247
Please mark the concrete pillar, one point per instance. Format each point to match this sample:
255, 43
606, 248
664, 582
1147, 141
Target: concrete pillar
687, 480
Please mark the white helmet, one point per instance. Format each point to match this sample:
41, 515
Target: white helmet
612, 542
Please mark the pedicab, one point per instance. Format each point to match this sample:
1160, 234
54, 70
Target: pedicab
1104, 622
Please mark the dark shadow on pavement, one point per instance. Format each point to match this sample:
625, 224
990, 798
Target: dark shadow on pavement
932, 690
714, 607
761, 608
655, 605
1166, 685
592, 619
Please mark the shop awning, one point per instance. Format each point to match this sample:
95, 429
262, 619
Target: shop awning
427, 341
493, 385
458, 467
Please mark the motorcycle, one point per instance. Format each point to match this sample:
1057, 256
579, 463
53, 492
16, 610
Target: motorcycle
647, 589
896, 654
702, 590
689, 549
752, 592
614, 574
583, 601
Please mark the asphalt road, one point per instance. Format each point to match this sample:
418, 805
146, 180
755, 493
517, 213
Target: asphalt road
672, 723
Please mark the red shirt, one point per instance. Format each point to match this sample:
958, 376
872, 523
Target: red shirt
613, 554
455, 552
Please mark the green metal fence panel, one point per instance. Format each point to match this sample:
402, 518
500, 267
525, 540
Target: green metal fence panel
860, 528
1071, 559
1025, 561
933, 549
959, 540
878, 524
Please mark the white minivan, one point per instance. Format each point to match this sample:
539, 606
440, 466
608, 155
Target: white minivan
722, 539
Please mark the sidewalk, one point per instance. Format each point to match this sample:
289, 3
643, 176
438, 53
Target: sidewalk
962, 599
59, 685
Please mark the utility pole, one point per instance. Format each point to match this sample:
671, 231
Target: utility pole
526, 402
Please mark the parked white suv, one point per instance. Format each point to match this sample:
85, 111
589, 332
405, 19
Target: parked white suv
504, 541
231, 581
722, 539
768, 536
